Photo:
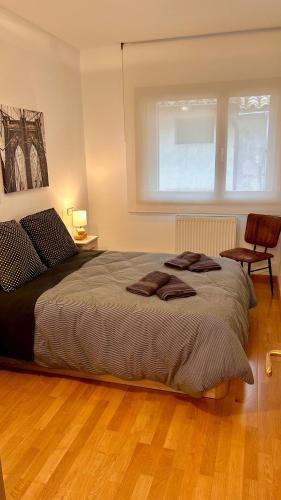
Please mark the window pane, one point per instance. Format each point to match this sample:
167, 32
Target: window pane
247, 144
187, 145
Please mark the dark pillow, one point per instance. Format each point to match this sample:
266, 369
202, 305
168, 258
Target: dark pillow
49, 236
19, 261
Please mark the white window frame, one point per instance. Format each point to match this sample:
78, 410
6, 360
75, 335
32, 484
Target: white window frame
140, 179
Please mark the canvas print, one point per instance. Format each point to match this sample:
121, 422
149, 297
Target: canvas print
22, 149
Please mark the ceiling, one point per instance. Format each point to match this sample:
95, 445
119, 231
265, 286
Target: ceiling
88, 23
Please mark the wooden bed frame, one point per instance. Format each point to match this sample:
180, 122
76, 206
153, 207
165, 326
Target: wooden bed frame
217, 392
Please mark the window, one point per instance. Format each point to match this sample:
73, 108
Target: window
203, 123
187, 145
216, 148
248, 143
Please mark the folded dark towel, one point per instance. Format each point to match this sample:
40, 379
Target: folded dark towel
174, 289
184, 260
204, 264
149, 284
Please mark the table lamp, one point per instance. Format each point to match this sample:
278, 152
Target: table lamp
79, 221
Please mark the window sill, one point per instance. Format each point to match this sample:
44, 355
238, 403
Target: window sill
207, 208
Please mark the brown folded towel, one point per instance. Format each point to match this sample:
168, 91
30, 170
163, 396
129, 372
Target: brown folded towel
149, 284
204, 264
183, 260
174, 289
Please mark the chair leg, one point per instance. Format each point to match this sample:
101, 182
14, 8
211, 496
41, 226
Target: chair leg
249, 268
268, 367
270, 275
242, 263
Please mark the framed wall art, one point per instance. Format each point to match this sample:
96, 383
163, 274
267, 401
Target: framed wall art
22, 149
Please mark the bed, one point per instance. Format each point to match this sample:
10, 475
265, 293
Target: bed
78, 318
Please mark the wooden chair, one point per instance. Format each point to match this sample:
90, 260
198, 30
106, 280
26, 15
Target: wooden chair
261, 230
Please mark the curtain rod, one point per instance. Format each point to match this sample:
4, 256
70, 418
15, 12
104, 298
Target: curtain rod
202, 35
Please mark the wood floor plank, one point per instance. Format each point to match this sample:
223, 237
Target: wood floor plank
142, 487
71, 439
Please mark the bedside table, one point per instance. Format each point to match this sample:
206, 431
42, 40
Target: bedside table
89, 243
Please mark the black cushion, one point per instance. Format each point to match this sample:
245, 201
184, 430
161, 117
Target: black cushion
19, 261
49, 236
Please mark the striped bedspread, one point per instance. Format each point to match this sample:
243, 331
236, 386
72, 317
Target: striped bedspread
89, 322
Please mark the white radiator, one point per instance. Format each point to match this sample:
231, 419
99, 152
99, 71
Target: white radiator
209, 235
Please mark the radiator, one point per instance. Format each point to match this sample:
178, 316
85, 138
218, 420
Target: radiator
209, 235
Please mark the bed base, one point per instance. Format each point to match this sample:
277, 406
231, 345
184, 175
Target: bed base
217, 392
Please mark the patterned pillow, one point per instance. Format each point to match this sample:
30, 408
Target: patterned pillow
19, 261
49, 236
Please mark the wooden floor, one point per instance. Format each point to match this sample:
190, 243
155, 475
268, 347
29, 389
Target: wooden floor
62, 438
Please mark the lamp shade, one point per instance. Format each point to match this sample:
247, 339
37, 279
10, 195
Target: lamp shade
79, 218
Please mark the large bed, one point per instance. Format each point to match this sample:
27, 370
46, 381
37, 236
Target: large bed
78, 318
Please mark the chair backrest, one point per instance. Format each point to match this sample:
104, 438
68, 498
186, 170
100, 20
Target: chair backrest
263, 230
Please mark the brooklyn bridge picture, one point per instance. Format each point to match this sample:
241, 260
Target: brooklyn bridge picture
22, 149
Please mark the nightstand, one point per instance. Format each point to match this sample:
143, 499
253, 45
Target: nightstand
89, 243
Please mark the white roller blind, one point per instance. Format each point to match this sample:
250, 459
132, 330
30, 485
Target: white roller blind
187, 146
202, 123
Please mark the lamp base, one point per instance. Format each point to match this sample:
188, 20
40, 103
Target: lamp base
80, 234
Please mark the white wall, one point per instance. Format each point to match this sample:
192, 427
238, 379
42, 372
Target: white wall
105, 158
106, 163
41, 73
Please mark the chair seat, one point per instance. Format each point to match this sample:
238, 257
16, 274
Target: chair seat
246, 255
